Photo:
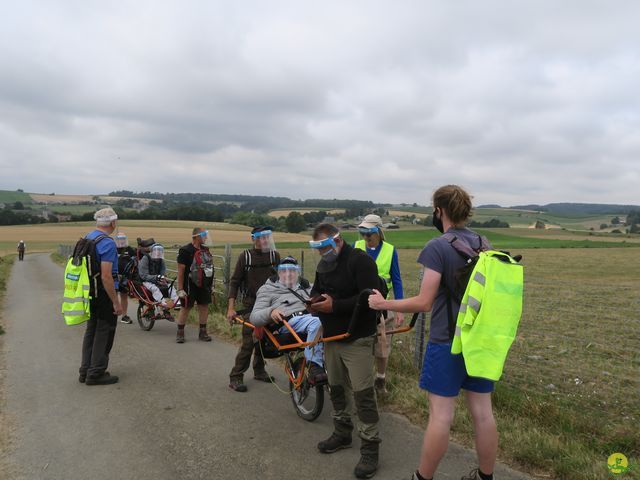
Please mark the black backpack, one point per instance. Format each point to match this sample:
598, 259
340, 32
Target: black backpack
86, 247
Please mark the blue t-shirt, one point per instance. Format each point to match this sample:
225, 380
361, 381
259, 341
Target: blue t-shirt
107, 252
438, 255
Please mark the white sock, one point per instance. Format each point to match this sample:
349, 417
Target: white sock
380, 375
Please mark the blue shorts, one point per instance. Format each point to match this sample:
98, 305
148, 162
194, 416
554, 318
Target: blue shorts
444, 374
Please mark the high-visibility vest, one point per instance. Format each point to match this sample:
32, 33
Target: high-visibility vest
489, 314
383, 261
75, 303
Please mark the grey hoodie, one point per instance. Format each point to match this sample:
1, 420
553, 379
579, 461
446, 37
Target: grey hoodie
274, 295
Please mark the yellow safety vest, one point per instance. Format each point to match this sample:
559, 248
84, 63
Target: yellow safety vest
385, 256
489, 314
75, 303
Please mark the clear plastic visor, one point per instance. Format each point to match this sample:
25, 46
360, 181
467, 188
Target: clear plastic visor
264, 241
289, 275
157, 252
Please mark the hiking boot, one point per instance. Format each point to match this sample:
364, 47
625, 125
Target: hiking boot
264, 377
126, 319
473, 475
83, 377
204, 336
237, 385
380, 385
180, 336
368, 464
104, 379
334, 443
317, 374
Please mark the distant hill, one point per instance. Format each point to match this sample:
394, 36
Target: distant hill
580, 208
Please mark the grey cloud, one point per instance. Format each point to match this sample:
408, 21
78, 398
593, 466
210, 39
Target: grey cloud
521, 102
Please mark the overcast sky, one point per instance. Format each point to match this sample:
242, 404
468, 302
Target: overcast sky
520, 102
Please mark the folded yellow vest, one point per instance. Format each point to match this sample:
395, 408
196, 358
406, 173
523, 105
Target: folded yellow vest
489, 314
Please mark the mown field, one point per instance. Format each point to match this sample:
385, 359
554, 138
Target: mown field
47, 237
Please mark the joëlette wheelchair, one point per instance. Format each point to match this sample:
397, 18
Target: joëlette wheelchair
307, 397
148, 309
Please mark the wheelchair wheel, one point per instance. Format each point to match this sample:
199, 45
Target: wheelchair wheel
307, 399
145, 317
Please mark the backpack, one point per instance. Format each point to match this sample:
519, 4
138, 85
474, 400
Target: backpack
248, 266
490, 309
81, 281
470, 255
201, 270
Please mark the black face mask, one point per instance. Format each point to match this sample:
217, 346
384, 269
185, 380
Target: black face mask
437, 222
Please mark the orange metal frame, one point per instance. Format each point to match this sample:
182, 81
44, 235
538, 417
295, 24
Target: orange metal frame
299, 343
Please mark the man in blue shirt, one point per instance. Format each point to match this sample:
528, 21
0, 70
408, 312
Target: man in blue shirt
386, 257
105, 306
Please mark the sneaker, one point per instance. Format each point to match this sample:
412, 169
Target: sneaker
104, 379
126, 319
180, 336
204, 336
317, 374
334, 443
473, 475
264, 377
367, 466
167, 315
237, 385
380, 385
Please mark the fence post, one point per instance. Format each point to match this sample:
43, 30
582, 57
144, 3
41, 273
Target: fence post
419, 329
302, 263
227, 268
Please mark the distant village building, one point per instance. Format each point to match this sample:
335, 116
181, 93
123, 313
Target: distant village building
329, 220
390, 226
63, 218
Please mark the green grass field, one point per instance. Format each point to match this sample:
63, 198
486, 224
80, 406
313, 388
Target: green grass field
11, 196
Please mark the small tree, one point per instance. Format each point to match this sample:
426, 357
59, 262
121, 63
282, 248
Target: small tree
615, 221
603, 226
18, 206
295, 222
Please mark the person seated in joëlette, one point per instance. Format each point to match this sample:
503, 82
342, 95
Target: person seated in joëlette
283, 297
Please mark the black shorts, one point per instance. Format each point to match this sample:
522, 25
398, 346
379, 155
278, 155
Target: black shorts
201, 296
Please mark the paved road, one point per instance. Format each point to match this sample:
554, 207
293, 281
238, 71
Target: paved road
170, 417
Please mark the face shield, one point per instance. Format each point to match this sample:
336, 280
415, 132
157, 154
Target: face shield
371, 235
327, 251
157, 252
263, 241
288, 275
121, 241
205, 238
